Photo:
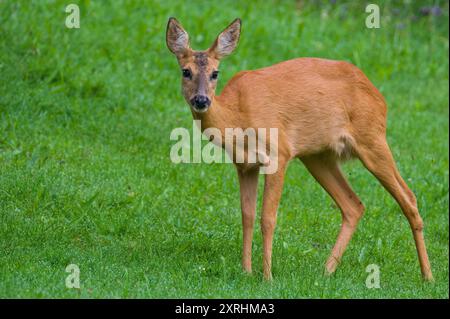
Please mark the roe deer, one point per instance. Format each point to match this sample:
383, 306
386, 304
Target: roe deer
325, 112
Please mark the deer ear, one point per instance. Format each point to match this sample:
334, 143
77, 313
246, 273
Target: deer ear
177, 38
227, 40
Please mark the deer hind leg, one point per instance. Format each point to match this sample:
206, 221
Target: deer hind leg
325, 169
378, 159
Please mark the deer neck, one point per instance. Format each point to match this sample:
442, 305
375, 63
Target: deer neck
221, 114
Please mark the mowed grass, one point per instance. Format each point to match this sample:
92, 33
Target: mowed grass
86, 177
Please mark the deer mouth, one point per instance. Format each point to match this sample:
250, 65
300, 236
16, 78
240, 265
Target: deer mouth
200, 109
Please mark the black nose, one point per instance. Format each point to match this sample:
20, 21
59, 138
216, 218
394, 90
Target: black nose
200, 101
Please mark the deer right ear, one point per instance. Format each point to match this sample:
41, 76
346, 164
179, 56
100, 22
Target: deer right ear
227, 40
177, 38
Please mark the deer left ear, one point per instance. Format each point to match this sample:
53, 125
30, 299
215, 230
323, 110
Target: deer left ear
177, 38
227, 40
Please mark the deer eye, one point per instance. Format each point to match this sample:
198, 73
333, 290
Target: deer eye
187, 73
214, 75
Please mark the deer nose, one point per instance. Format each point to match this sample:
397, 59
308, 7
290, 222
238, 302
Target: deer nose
201, 102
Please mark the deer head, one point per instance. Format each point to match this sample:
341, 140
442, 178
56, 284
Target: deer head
200, 69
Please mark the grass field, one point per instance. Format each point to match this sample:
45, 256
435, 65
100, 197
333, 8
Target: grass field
86, 177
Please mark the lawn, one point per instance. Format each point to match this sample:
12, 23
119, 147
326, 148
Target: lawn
86, 177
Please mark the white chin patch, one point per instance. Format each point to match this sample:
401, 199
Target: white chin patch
200, 110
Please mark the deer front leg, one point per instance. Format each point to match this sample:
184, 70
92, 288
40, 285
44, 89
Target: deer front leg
248, 182
273, 187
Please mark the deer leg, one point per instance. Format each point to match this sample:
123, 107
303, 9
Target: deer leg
379, 161
273, 188
248, 182
327, 172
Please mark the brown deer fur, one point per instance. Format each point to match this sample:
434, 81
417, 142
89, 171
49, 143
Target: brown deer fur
325, 111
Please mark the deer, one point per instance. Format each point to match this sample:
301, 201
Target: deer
326, 112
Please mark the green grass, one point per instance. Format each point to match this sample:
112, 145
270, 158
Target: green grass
86, 178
